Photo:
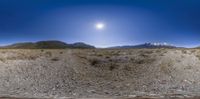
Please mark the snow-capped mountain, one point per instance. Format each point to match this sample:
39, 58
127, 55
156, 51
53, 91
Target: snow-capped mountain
148, 45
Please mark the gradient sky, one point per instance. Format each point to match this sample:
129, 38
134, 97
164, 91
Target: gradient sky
126, 21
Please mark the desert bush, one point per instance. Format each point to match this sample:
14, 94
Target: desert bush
93, 51
198, 56
61, 52
113, 66
162, 54
179, 61
42, 50
3, 52
100, 55
158, 51
3, 60
107, 57
193, 51
149, 52
110, 60
82, 56
94, 61
182, 56
140, 61
127, 68
32, 57
144, 55
188, 67
184, 51
55, 59
49, 54
137, 61
104, 64
115, 53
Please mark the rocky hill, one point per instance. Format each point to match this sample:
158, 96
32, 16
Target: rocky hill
47, 45
81, 45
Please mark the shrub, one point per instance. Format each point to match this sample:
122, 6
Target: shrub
184, 51
94, 61
198, 56
193, 51
2, 60
107, 57
112, 66
55, 59
128, 68
143, 55
61, 52
42, 50
49, 54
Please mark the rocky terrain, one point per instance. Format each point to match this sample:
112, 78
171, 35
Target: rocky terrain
100, 73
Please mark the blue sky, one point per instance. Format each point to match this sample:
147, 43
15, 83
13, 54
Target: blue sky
127, 22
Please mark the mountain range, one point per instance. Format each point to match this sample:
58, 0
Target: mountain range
147, 45
53, 44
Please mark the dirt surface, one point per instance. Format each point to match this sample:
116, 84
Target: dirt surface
100, 73
111, 98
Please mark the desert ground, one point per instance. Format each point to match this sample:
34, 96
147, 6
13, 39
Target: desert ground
100, 73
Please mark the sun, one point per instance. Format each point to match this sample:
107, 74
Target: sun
99, 26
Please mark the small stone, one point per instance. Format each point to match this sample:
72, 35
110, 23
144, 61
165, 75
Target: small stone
91, 91
132, 96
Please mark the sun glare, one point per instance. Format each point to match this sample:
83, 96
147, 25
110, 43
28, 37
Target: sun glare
100, 26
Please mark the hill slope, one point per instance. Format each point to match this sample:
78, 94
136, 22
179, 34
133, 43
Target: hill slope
47, 45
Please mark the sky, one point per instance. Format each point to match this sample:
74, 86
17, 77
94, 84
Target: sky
126, 22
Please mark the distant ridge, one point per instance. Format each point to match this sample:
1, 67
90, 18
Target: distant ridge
197, 47
147, 45
51, 44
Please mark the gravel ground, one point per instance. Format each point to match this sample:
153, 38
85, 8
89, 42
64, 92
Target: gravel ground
100, 73
110, 98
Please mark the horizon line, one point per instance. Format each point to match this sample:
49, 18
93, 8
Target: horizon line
163, 43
